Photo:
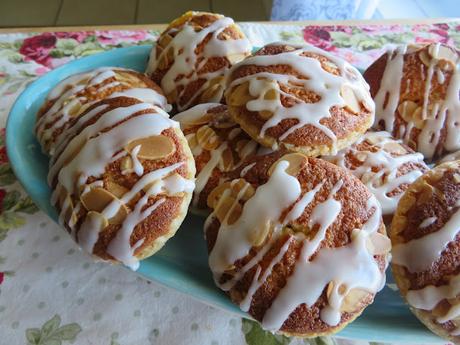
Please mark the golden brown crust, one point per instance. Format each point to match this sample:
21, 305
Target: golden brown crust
163, 222
309, 139
435, 194
353, 195
189, 94
413, 83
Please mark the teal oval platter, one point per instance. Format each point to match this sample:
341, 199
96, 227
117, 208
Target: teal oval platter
182, 263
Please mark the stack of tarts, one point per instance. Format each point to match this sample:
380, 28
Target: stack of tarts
296, 161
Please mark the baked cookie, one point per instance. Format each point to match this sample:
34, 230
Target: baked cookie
416, 90
298, 243
385, 165
123, 179
191, 57
426, 246
300, 98
218, 144
73, 95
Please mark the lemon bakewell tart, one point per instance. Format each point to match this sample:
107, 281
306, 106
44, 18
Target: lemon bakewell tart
301, 253
299, 98
415, 89
426, 260
191, 57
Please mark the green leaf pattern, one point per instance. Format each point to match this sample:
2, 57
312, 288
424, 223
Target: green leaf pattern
51, 333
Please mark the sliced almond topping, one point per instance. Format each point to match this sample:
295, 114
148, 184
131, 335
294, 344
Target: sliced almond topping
242, 189
207, 138
426, 194
258, 236
297, 162
378, 244
227, 163
406, 109
116, 189
126, 163
352, 300
394, 147
191, 139
228, 209
361, 156
216, 193
271, 94
155, 147
425, 57
239, 95
212, 93
351, 102
441, 52
265, 114
235, 58
97, 199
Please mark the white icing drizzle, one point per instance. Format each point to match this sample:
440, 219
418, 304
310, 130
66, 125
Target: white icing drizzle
427, 222
390, 86
137, 165
326, 85
360, 272
246, 169
145, 95
65, 99
233, 243
195, 113
120, 247
385, 180
419, 254
443, 115
186, 66
97, 152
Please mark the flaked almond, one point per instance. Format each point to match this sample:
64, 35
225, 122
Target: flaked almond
154, 147
212, 94
164, 40
228, 210
216, 194
191, 140
97, 199
258, 236
394, 147
361, 156
440, 52
265, 114
425, 57
351, 102
378, 244
207, 138
241, 189
239, 95
426, 194
126, 163
417, 118
406, 109
351, 301
271, 94
235, 58
116, 189
297, 162
226, 163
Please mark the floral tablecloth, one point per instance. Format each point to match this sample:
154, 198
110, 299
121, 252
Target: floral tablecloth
53, 294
